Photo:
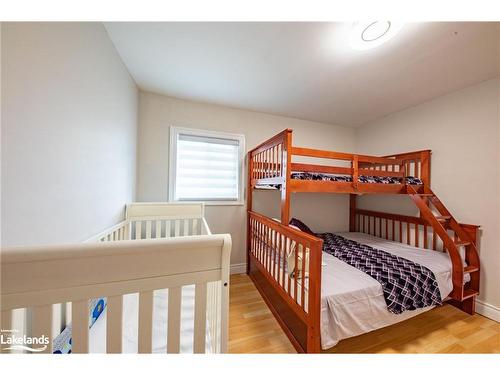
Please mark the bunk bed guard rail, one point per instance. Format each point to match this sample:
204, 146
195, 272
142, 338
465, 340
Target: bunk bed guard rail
270, 163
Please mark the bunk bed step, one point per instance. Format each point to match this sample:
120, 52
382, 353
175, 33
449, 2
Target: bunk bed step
468, 293
443, 218
470, 269
462, 243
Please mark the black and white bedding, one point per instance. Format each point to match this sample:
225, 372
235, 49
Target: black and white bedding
353, 302
364, 179
406, 285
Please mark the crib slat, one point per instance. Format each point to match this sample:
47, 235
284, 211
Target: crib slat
148, 229
158, 229
145, 322
80, 326
168, 230
194, 227
127, 235
200, 317
185, 228
138, 230
6, 319
58, 318
6, 324
177, 228
114, 318
41, 324
174, 319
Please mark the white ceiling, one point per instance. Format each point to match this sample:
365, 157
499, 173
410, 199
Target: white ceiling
306, 70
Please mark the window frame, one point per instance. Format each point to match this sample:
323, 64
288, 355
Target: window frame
175, 131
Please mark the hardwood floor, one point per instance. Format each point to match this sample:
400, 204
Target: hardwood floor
253, 329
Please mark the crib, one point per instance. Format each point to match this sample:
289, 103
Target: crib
159, 246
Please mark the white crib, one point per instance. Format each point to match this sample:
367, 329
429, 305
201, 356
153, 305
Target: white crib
158, 246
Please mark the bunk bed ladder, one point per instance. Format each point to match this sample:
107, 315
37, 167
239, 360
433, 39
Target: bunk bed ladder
463, 295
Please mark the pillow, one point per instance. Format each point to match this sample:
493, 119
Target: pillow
295, 270
301, 226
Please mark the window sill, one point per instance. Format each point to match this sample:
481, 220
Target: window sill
215, 203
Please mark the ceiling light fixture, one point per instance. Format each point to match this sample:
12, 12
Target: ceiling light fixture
371, 34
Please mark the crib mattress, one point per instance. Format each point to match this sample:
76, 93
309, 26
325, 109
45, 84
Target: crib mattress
352, 303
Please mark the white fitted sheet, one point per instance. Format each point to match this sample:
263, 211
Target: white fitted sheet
97, 334
352, 303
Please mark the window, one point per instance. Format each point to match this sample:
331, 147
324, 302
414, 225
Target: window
206, 166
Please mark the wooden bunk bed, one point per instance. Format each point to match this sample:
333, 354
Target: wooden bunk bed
296, 306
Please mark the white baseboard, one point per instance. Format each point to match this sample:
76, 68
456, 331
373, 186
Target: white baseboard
238, 268
487, 310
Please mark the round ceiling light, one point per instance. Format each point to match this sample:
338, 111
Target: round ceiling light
371, 34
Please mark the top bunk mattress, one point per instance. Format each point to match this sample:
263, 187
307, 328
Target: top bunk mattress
363, 179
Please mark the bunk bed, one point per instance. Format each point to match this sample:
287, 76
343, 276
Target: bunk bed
292, 268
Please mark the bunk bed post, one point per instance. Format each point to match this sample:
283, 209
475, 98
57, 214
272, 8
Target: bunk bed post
285, 174
355, 171
352, 212
313, 343
249, 206
425, 167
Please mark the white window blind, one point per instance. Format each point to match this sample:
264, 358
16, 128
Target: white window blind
207, 167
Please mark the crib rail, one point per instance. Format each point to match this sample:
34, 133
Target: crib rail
69, 273
290, 261
157, 220
45, 288
117, 232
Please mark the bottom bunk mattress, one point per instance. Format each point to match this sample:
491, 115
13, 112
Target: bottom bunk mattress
353, 303
97, 332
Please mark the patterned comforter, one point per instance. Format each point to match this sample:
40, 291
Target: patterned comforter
366, 179
406, 285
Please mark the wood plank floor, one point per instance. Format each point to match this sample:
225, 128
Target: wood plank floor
253, 329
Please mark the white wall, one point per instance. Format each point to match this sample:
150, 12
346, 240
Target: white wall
463, 131
157, 113
69, 125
